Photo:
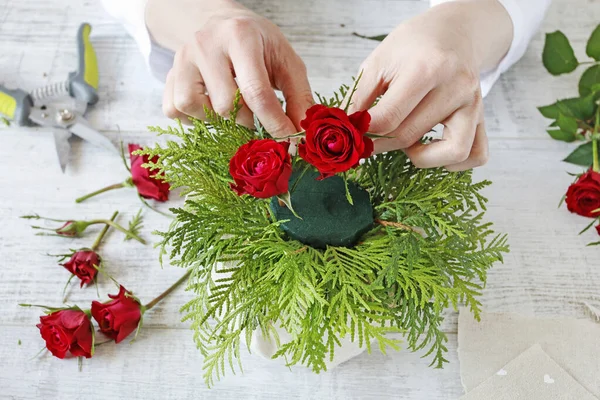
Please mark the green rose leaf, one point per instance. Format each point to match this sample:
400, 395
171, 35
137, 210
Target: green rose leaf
378, 38
558, 55
567, 124
593, 45
578, 107
550, 111
582, 155
590, 80
558, 134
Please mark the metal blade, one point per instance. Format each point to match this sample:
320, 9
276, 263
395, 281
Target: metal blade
93, 136
62, 146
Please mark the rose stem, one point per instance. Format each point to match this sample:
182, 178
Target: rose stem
168, 291
396, 225
105, 189
103, 232
596, 161
117, 227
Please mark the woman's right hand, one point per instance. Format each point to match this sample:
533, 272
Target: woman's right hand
231, 47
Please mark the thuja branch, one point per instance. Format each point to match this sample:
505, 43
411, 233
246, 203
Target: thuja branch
117, 227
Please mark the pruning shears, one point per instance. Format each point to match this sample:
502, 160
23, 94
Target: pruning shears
40, 108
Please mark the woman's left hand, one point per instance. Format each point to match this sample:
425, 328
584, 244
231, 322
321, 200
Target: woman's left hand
427, 72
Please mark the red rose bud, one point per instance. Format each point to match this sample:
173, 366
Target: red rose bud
67, 331
147, 186
583, 196
598, 229
119, 317
83, 264
72, 228
261, 168
335, 141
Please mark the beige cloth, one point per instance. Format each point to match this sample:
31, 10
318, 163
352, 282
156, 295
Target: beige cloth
485, 347
531, 376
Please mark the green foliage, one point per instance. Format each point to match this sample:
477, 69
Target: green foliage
557, 134
135, 225
592, 48
378, 38
574, 117
429, 250
558, 55
590, 77
582, 155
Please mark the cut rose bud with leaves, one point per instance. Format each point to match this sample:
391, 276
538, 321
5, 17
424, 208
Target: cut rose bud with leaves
76, 228
120, 316
583, 196
577, 118
335, 142
67, 331
84, 263
148, 185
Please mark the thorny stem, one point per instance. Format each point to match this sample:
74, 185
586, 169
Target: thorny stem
127, 183
396, 225
352, 91
103, 232
168, 291
596, 159
117, 227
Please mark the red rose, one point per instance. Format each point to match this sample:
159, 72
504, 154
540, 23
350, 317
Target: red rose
583, 196
147, 186
261, 168
81, 264
335, 141
119, 317
67, 331
598, 229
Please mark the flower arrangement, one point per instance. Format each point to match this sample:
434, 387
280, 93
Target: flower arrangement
578, 119
328, 244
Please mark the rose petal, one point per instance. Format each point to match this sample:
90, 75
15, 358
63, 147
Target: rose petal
361, 120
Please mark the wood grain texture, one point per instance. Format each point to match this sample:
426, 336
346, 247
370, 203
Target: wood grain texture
548, 272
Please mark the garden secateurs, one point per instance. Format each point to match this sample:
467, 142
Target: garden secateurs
38, 108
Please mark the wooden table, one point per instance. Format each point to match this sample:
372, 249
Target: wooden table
548, 272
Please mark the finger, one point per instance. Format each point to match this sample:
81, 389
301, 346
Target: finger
189, 90
456, 145
293, 82
479, 153
168, 106
435, 107
221, 87
257, 91
404, 93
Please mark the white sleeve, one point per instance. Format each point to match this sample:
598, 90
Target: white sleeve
131, 14
526, 15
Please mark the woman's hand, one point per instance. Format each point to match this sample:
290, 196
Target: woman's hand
228, 47
427, 72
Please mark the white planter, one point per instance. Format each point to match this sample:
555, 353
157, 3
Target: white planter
265, 348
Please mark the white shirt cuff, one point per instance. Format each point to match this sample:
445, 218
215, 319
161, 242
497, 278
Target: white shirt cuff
526, 16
